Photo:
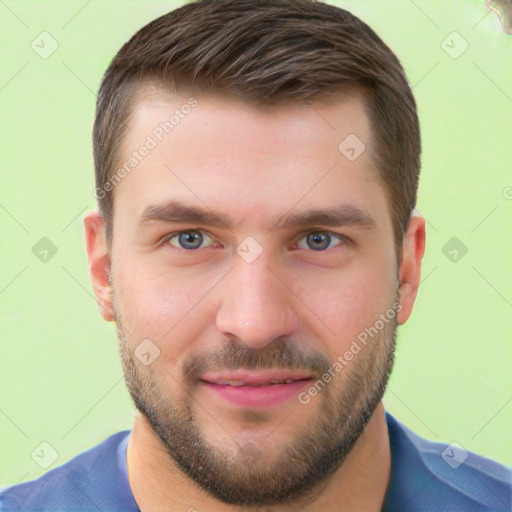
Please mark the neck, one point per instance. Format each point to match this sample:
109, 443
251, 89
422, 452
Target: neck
361, 482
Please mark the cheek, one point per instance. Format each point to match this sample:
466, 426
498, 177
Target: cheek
154, 302
172, 307
346, 301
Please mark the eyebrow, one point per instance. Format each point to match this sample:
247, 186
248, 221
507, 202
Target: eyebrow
334, 216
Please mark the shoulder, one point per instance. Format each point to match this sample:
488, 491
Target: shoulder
92, 480
433, 476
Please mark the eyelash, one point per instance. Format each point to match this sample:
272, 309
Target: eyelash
343, 239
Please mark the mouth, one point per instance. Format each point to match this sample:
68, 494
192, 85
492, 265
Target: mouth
254, 378
256, 389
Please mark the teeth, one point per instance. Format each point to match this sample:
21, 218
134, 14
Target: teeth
242, 383
231, 383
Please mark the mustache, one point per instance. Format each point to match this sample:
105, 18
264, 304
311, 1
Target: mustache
279, 354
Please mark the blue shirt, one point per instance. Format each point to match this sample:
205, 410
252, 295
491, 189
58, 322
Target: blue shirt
425, 476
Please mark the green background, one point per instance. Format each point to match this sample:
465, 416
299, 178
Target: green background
61, 379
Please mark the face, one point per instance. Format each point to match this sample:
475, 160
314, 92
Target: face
251, 257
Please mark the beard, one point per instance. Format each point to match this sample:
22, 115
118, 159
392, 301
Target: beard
295, 470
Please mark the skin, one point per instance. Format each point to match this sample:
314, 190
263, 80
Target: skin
256, 166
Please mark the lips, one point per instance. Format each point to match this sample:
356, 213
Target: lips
252, 384
238, 378
263, 390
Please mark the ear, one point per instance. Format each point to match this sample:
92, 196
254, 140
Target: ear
409, 271
99, 263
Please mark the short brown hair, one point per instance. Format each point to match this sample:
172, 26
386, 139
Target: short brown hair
266, 51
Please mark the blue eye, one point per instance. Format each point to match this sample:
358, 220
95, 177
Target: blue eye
192, 239
319, 241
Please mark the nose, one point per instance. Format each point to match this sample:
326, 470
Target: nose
257, 306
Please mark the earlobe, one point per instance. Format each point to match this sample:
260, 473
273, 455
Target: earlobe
410, 266
99, 263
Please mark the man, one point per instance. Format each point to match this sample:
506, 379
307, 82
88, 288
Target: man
257, 166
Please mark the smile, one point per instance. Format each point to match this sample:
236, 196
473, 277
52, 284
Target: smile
255, 389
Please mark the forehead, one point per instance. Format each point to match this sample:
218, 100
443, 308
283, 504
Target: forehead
306, 128
247, 160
